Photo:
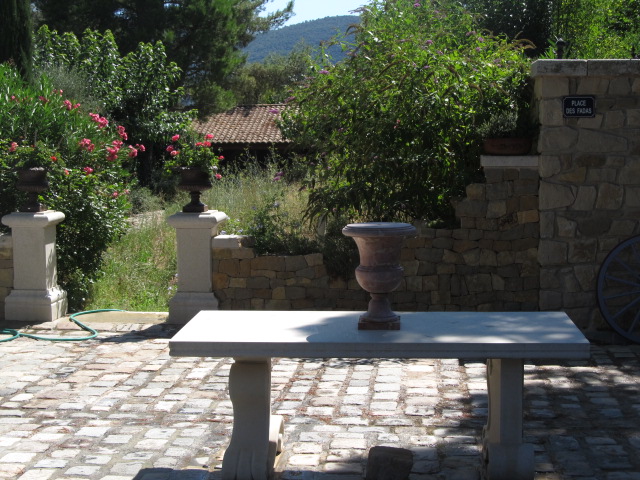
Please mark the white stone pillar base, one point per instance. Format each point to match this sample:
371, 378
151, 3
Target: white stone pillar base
194, 233
183, 306
35, 305
36, 296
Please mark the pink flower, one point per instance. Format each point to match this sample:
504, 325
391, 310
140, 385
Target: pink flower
141, 148
170, 148
217, 176
69, 106
114, 195
66, 171
122, 133
88, 170
13, 146
220, 157
112, 154
101, 121
133, 152
175, 138
54, 158
174, 153
208, 136
86, 144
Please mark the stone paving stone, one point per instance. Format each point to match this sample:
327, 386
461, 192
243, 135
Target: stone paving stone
88, 415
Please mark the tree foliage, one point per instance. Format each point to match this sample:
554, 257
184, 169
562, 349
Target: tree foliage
203, 37
393, 130
598, 28
270, 81
592, 28
137, 90
15, 35
526, 19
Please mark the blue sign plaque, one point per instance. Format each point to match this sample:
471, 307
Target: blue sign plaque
578, 107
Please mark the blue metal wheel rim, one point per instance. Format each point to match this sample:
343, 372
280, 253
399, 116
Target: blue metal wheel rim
618, 289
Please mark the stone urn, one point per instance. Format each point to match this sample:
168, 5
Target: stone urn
33, 181
194, 180
379, 272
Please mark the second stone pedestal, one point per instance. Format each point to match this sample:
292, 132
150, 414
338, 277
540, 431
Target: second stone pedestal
194, 232
36, 296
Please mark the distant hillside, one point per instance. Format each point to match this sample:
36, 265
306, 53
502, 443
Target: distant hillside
311, 33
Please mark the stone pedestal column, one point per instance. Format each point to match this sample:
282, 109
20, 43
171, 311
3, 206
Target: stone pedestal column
194, 232
36, 296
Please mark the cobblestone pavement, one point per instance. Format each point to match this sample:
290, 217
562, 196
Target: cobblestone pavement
119, 408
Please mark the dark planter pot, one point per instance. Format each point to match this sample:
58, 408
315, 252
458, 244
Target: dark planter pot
33, 181
194, 180
507, 146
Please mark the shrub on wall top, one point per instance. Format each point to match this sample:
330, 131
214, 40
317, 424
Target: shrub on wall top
393, 129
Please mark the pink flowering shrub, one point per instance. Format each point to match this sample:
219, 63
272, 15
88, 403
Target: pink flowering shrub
88, 162
185, 151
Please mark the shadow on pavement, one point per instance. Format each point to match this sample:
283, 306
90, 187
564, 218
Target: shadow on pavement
170, 474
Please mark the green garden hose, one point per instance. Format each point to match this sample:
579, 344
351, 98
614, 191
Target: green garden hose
72, 318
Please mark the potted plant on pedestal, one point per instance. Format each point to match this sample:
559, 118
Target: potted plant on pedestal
31, 163
195, 162
506, 133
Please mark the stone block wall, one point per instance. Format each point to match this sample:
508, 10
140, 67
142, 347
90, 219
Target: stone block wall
6, 270
490, 263
244, 281
590, 178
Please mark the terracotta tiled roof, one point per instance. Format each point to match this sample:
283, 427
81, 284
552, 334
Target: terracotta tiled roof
244, 124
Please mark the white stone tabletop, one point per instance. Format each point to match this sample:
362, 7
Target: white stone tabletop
330, 334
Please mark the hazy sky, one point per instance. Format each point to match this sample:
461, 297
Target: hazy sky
311, 9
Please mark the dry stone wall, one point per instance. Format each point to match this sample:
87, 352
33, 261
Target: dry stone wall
242, 280
6, 270
490, 263
590, 178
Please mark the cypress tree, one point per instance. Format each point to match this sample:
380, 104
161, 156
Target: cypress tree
16, 42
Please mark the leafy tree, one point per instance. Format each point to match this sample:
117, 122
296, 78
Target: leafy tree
15, 35
527, 19
137, 90
393, 130
203, 37
592, 28
270, 81
597, 28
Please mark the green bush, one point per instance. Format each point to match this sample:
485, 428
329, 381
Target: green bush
87, 180
597, 28
137, 90
392, 131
